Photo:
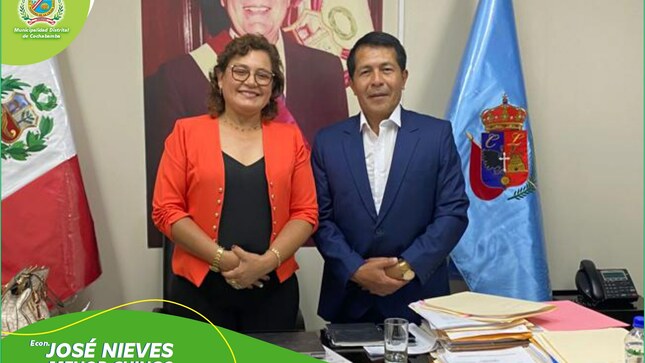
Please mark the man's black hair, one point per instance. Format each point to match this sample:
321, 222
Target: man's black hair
377, 39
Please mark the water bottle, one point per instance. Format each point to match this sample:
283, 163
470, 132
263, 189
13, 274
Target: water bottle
634, 342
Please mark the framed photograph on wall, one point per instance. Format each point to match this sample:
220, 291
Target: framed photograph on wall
181, 40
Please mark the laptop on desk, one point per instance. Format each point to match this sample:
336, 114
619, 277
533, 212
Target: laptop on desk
307, 343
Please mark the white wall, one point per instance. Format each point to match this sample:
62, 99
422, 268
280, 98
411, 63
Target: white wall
583, 65
583, 69
103, 83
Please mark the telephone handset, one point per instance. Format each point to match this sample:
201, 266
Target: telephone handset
604, 286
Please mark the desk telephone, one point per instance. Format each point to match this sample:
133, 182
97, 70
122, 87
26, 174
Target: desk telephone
606, 286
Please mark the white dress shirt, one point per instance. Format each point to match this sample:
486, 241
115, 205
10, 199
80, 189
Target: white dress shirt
378, 152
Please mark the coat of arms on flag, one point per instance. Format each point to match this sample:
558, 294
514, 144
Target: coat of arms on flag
502, 159
20, 113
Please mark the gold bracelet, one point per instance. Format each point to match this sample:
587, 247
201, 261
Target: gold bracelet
217, 259
277, 255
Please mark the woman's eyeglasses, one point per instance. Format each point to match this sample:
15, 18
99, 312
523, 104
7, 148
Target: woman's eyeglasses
242, 73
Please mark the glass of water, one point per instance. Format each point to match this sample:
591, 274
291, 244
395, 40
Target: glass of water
396, 340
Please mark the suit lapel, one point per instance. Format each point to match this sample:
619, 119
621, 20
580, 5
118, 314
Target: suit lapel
406, 141
355, 155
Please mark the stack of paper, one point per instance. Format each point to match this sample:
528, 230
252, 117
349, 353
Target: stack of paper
510, 355
584, 346
486, 307
471, 321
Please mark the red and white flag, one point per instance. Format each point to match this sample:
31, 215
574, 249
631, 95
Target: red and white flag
46, 219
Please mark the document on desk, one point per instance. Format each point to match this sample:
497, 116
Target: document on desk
516, 332
572, 316
444, 321
584, 346
511, 355
486, 307
333, 357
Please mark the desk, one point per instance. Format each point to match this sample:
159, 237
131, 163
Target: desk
358, 355
624, 313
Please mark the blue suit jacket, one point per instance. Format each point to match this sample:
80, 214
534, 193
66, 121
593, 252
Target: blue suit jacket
422, 216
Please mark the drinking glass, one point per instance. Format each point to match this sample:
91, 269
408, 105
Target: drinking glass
396, 340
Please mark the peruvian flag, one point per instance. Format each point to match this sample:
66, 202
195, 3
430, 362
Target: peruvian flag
46, 219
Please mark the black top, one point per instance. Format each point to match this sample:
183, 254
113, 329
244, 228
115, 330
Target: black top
246, 214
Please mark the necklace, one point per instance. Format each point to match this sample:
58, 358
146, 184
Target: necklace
240, 128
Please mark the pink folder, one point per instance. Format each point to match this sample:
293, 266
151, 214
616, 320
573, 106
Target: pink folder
571, 316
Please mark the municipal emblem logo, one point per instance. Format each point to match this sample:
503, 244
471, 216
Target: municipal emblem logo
502, 160
25, 123
41, 11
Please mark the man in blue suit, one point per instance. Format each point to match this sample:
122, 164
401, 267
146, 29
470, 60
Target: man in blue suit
390, 194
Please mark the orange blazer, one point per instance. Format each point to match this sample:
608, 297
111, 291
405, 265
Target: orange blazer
190, 183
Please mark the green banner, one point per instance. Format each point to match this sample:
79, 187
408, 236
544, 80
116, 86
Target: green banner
125, 336
36, 30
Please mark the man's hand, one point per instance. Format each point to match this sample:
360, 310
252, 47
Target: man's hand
371, 276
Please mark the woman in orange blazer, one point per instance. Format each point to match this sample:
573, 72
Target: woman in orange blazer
235, 192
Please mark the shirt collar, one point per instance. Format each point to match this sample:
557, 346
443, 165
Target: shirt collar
395, 117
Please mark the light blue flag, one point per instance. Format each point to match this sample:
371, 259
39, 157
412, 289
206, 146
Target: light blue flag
502, 251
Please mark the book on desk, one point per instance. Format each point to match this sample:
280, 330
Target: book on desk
353, 335
307, 343
357, 335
